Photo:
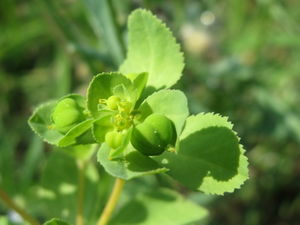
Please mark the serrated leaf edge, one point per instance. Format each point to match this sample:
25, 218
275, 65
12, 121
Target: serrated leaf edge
241, 147
145, 11
34, 113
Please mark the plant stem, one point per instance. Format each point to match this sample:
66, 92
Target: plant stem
111, 204
80, 196
9, 202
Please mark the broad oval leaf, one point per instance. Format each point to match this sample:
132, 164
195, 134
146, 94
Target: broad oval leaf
171, 103
152, 49
134, 164
210, 158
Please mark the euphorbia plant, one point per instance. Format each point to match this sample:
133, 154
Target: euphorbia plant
142, 125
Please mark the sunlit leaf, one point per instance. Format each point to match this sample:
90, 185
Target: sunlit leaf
210, 158
152, 49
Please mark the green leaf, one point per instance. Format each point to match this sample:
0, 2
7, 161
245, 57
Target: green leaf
171, 103
56, 222
134, 164
40, 123
80, 134
210, 158
152, 49
101, 87
160, 206
139, 83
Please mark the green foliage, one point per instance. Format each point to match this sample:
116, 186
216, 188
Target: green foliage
43, 122
242, 61
40, 122
152, 49
176, 109
207, 155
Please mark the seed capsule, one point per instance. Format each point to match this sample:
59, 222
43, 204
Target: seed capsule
154, 135
66, 114
112, 102
114, 139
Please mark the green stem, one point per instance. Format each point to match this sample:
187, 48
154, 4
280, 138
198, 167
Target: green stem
80, 197
9, 202
112, 202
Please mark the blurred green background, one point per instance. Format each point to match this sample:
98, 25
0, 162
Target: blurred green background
242, 61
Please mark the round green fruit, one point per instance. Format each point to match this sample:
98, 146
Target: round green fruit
114, 139
65, 114
154, 135
112, 102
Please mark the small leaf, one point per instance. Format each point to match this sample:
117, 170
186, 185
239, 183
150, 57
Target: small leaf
161, 206
40, 122
171, 103
152, 49
80, 134
139, 83
56, 222
102, 86
134, 164
210, 158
